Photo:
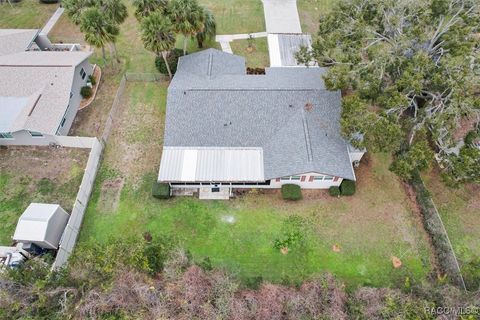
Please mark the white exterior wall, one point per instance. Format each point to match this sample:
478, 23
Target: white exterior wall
78, 83
43, 42
306, 183
356, 156
23, 138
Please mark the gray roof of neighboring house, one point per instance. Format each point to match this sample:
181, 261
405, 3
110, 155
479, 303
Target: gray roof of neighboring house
39, 83
16, 40
287, 112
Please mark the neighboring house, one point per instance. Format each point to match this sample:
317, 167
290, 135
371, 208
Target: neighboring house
20, 40
39, 89
226, 129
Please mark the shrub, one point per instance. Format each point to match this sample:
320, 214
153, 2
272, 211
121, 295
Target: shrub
86, 92
471, 137
334, 191
471, 273
291, 192
157, 252
172, 61
161, 190
92, 79
347, 188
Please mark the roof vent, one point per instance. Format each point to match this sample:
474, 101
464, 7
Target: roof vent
308, 107
290, 105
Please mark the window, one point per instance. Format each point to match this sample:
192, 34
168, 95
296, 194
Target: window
318, 178
216, 189
285, 178
63, 122
6, 135
83, 73
328, 178
295, 177
35, 134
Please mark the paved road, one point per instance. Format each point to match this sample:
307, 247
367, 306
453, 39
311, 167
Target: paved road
281, 16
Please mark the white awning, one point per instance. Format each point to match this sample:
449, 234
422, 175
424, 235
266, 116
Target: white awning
186, 164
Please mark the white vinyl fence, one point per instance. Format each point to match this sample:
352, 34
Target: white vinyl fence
74, 224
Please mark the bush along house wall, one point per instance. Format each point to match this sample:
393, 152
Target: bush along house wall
434, 226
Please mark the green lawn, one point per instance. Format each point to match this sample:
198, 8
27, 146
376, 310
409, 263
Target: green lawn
29, 174
310, 11
257, 57
237, 16
370, 227
26, 14
460, 211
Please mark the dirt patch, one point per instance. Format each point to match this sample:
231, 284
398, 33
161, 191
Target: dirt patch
37, 163
91, 121
37, 174
136, 139
110, 195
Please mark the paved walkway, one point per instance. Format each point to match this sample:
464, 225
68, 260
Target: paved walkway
51, 22
226, 46
227, 38
281, 16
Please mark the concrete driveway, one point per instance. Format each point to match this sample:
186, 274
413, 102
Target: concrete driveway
281, 16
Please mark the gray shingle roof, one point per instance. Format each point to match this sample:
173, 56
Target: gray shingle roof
267, 111
45, 79
16, 40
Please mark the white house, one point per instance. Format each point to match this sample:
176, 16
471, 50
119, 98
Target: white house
226, 129
39, 88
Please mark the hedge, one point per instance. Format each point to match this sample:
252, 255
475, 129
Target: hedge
161, 190
334, 191
347, 188
92, 79
172, 59
291, 192
86, 92
434, 227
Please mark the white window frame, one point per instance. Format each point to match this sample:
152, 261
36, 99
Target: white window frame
83, 74
35, 134
6, 136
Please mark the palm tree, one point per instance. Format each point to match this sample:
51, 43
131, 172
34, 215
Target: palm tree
143, 8
187, 17
98, 29
158, 36
75, 8
209, 29
117, 12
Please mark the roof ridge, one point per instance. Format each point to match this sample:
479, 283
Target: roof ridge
307, 137
251, 89
210, 64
